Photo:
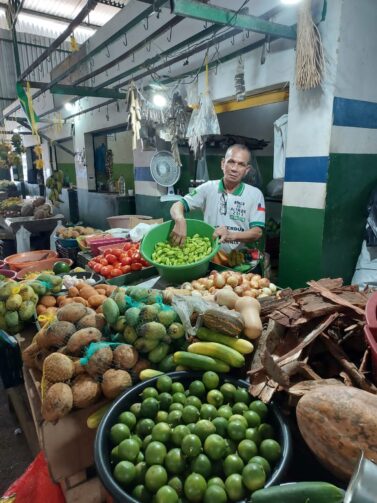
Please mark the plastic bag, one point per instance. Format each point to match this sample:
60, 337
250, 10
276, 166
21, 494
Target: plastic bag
53, 234
34, 485
203, 122
201, 168
366, 267
185, 306
23, 240
138, 232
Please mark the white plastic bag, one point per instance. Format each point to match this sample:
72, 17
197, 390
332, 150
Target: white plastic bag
138, 232
53, 234
366, 267
23, 240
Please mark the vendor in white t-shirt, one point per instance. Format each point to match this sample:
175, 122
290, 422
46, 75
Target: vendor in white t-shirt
235, 209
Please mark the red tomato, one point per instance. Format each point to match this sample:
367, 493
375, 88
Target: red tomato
126, 261
144, 263
126, 269
111, 258
136, 266
126, 246
97, 267
117, 252
103, 261
136, 257
98, 258
117, 264
109, 251
116, 272
91, 263
106, 270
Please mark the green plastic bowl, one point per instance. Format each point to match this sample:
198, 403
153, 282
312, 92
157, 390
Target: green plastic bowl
179, 273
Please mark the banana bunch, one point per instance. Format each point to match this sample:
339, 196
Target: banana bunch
236, 258
55, 184
10, 202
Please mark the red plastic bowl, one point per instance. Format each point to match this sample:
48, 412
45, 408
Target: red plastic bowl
43, 265
8, 273
19, 261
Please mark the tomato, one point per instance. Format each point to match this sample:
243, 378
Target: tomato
126, 246
97, 258
126, 261
116, 272
97, 267
91, 263
136, 257
109, 251
117, 252
144, 263
103, 261
106, 270
136, 266
126, 269
111, 258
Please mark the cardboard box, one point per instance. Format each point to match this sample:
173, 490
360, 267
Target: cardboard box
134, 221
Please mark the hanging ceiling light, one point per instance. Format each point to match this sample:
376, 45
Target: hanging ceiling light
69, 106
159, 100
290, 2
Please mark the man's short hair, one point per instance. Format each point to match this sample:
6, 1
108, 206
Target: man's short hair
238, 146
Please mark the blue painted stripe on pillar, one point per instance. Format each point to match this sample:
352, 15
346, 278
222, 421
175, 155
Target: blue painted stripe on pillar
143, 174
306, 169
354, 113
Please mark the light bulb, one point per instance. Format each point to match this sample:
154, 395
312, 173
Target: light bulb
159, 100
69, 106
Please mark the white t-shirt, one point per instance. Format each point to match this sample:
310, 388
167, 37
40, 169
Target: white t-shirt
239, 211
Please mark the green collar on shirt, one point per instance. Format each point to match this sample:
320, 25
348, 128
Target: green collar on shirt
237, 192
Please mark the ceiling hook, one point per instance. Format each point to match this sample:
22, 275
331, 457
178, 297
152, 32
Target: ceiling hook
125, 41
91, 63
149, 47
247, 34
133, 57
146, 24
170, 34
107, 51
232, 41
205, 25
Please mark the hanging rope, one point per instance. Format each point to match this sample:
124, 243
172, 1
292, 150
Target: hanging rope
309, 52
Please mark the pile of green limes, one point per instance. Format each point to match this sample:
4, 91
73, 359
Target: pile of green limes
207, 443
194, 249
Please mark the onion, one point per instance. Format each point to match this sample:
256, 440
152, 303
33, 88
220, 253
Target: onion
226, 274
249, 293
262, 295
264, 283
257, 276
239, 290
267, 291
232, 281
254, 283
202, 281
187, 286
273, 287
212, 290
219, 281
209, 283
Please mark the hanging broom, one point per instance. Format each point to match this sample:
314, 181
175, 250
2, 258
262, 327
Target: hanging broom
309, 51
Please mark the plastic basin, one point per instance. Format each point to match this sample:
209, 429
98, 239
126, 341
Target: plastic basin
8, 273
19, 261
179, 273
43, 265
102, 444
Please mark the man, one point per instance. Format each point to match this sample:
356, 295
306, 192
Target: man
235, 209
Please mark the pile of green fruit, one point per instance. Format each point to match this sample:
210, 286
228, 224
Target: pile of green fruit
194, 249
139, 317
204, 443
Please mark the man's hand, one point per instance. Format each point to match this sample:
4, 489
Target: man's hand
179, 232
223, 233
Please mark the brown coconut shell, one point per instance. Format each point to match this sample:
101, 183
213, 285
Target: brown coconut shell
82, 338
58, 368
99, 362
56, 335
85, 391
57, 402
125, 357
115, 382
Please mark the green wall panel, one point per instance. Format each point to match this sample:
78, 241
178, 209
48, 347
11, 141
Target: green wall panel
127, 170
351, 179
68, 169
300, 246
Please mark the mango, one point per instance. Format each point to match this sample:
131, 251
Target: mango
167, 317
38, 287
13, 303
27, 310
11, 319
26, 292
132, 316
111, 311
176, 331
152, 330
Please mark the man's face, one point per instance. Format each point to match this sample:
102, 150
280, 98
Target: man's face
235, 165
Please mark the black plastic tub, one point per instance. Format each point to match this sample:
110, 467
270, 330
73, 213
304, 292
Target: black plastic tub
102, 445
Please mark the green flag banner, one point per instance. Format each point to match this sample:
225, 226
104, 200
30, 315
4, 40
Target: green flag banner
26, 101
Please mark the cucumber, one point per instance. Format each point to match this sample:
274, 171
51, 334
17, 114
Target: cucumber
219, 351
300, 492
199, 362
241, 345
148, 374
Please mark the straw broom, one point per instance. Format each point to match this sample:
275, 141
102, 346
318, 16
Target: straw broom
309, 51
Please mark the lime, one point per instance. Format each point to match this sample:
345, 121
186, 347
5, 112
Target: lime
155, 453
225, 411
175, 462
128, 450
166, 494
197, 388
247, 449
233, 464
149, 408
253, 476
210, 380
266, 430
270, 449
149, 392
114, 456
164, 383
191, 427
124, 473
161, 432
179, 398
195, 401
215, 398
190, 414
242, 395
162, 416
141, 493
201, 464
128, 419
238, 417
236, 430
140, 457
138, 440
135, 409
174, 418
228, 390
239, 408
215, 493
177, 484
155, 478
208, 411
263, 462
178, 434
61, 268
195, 487
204, 428
221, 425
252, 418
144, 427
215, 446
234, 487
176, 406
177, 387
231, 447
146, 441
216, 481
191, 446
140, 471
165, 400
254, 435
259, 407
119, 432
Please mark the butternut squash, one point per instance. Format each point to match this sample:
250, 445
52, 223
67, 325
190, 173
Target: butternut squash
225, 297
249, 309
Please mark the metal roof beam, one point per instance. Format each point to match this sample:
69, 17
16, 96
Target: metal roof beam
87, 91
219, 15
24, 123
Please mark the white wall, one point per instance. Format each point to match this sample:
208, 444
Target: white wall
121, 145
